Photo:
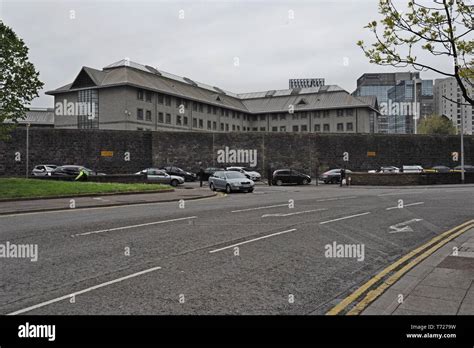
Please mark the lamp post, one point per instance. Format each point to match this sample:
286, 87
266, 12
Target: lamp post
415, 112
27, 149
462, 147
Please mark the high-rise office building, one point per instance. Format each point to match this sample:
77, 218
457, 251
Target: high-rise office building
378, 84
450, 102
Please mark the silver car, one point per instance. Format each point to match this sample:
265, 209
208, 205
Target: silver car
230, 181
161, 177
43, 169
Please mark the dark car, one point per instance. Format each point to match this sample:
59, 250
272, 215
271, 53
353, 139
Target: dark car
69, 171
467, 169
289, 176
209, 172
438, 169
188, 176
333, 176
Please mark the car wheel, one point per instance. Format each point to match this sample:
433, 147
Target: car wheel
211, 186
174, 183
279, 182
305, 181
228, 189
250, 191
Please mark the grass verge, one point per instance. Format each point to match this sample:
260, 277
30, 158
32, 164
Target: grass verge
11, 188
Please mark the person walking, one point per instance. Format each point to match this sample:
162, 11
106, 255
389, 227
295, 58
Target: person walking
270, 176
201, 175
343, 177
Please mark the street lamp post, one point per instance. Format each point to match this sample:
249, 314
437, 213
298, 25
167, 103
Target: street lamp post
462, 147
27, 148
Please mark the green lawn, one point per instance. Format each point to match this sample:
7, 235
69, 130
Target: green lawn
30, 188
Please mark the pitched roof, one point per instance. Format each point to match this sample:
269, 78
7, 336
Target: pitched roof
125, 72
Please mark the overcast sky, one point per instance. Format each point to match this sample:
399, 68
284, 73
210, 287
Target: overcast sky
270, 46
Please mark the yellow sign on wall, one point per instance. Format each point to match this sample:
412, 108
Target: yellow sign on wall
107, 153
371, 154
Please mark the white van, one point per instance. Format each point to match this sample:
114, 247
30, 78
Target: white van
412, 169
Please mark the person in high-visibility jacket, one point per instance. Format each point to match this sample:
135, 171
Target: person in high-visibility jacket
83, 174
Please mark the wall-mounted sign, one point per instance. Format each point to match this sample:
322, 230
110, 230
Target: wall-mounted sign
106, 153
371, 154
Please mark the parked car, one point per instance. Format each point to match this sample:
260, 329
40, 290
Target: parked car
248, 172
467, 169
333, 176
412, 169
43, 169
289, 176
437, 169
386, 170
208, 172
72, 170
160, 176
230, 181
188, 176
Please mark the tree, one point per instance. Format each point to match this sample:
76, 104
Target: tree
443, 29
19, 83
436, 125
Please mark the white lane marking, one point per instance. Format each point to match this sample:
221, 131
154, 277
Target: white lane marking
405, 205
289, 214
42, 304
335, 199
343, 218
403, 226
133, 226
258, 208
400, 193
252, 240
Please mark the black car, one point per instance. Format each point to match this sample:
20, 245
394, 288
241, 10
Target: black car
467, 169
333, 176
188, 176
69, 171
208, 172
289, 176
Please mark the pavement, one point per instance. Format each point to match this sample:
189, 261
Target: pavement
442, 284
187, 192
278, 250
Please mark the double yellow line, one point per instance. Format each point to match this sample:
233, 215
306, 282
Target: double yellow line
403, 265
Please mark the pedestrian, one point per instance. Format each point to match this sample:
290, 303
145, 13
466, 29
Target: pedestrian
201, 175
343, 177
269, 176
83, 174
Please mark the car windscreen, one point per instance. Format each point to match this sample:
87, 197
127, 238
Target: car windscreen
235, 175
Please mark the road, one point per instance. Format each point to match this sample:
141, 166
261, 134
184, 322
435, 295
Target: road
231, 254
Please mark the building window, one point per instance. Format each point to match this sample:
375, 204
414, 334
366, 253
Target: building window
317, 128
303, 115
274, 129
140, 94
340, 127
148, 115
89, 100
160, 117
178, 120
139, 114
160, 98
349, 112
304, 128
195, 106
296, 128
282, 128
326, 127
214, 125
317, 114
274, 117
226, 127
238, 128
168, 100
326, 113
209, 124
195, 122
227, 113
262, 129
349, 126
295, 116
222, 111
201, 107
209, 109
201, 123
340, 112
255, 129
185, 102
222, 127
262, 117
178, 102
185, 120
168, 118
233, 127
214, 110
238, 115
148, 96
282, 117
233, 114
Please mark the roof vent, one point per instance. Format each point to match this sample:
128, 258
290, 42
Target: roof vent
218, 98
270, 93
191, 82
302, 102
295, 91
153, 70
